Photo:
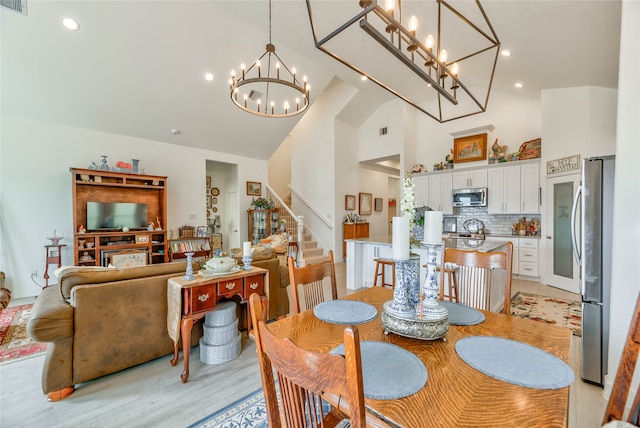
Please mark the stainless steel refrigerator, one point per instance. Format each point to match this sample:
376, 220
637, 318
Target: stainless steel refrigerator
592, 222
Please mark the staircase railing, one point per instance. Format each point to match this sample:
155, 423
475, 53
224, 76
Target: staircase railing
293, 223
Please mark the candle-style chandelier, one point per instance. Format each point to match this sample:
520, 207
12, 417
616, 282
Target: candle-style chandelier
457, 59
268, 87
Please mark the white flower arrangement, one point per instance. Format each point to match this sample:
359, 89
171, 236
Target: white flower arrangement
408, 203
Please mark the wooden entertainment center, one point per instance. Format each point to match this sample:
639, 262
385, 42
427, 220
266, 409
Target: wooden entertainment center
97, 247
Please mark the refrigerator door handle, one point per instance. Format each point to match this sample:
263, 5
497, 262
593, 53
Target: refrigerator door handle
574, 241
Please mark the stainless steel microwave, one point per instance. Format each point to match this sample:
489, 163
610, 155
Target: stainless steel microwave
470, 197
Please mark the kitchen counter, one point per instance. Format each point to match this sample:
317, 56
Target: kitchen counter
490, 243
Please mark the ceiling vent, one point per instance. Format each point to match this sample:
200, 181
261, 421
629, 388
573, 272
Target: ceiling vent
19, 6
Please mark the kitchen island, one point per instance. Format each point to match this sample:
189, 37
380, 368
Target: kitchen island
361, 255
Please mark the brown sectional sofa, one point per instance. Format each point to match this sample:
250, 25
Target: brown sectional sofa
98, 321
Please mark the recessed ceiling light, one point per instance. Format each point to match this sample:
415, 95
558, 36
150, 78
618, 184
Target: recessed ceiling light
505, 52
70, 24
174, 131
363, 77
518, 85
208, 77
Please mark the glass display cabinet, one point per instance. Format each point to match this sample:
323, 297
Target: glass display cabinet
262, 223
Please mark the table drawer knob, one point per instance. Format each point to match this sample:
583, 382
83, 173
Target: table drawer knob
230, 286
254, 285
203, 297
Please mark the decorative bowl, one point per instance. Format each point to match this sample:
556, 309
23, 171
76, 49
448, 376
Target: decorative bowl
220, 264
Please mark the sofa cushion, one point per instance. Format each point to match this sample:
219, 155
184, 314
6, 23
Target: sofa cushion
100, 275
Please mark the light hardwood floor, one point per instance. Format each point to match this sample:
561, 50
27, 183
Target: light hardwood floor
151, 395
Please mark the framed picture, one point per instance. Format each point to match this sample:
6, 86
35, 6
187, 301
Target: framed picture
208, 182
471, 148
531, 149
378, 204
209, 204
142, 239
202, 232
254, 188
350, 202
365, 203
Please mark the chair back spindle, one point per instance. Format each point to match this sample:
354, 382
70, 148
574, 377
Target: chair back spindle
311, 280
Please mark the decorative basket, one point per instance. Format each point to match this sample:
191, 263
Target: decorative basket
219, 354
224, 314
220, 335
187, 232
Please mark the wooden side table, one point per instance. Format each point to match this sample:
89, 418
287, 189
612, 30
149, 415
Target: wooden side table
54, 256
189, 301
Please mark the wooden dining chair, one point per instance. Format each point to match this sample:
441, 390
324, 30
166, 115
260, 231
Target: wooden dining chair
622, 383
474, 275
311, 280
304, 377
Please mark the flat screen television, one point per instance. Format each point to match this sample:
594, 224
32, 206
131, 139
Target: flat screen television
115, 215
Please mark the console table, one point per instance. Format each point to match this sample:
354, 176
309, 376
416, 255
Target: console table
189, 301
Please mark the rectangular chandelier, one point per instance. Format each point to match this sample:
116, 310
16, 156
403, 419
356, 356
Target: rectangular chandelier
438, 58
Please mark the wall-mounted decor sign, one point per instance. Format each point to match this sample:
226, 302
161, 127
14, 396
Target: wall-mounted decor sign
564, 164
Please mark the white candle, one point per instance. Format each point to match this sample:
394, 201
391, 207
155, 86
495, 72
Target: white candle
432, 227
400, 238
246, 248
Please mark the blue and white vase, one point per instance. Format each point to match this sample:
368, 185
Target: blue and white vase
418, 232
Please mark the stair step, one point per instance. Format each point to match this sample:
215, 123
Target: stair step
312, 252
316, 259
308, 245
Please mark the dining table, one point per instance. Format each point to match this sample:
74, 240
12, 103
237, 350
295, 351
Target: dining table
455, 394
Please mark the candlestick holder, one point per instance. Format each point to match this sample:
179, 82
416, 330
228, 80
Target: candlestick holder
247, 262
189, 274
428, 307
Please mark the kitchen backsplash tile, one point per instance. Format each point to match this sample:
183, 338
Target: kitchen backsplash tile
497, 224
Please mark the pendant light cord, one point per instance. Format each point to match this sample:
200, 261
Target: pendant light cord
269, 21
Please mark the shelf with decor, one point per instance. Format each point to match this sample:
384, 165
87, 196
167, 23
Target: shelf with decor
179, 247
118, 212
262, 223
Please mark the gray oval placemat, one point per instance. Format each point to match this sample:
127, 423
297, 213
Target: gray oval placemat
389, 371
345, 312
515, 362
462, 315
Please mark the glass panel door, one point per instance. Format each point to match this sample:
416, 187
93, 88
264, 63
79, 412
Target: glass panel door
562, 269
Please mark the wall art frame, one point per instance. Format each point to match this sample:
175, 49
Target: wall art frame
254, 188
470, 148
378, 204
365, 205
350, 202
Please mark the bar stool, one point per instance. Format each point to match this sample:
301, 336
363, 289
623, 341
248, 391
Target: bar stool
381, 265
450, 275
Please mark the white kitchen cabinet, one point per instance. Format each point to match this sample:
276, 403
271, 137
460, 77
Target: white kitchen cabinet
440, 192
504, 190
528, 256
421, 184
470, 179
530, 189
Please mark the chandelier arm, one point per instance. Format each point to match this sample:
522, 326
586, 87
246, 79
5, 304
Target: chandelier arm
471, 24
369, 29
356, 18
471, 55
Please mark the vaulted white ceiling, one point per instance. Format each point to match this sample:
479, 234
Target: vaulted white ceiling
136, 67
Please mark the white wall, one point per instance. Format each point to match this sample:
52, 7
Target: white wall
280, 168
36, 187
372, 145
516, 120
626, 229
313, 174
347, 178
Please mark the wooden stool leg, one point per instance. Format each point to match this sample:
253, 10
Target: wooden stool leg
375, 278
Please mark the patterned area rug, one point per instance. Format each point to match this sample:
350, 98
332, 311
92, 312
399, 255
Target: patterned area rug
15, 343
550, 310
249, 411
